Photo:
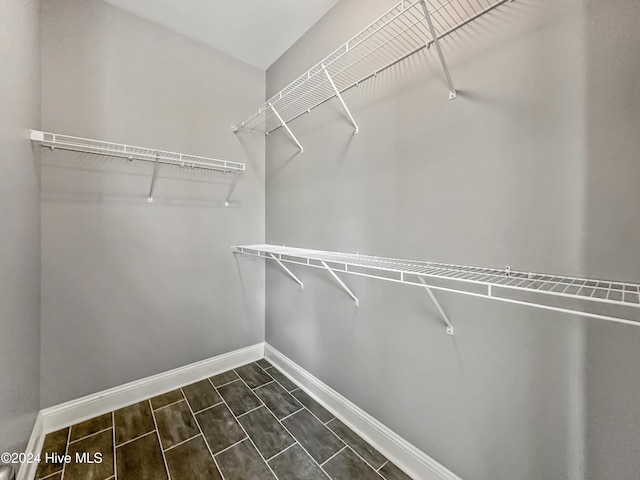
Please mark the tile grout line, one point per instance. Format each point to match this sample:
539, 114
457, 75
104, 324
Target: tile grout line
380, 467
263, 385
325, 424
295, 442
334, 433
263, 368
182, 442
279, 383
166, 467
230, 446
366, 463
202, 433
136, 438
294, 437
167, 405
50, 475
204, 409
87, 436
304, 449
224, 383
344, 441
250, 439
66, 451
321, 464
252, 410
353, 450
284, 418
115, 464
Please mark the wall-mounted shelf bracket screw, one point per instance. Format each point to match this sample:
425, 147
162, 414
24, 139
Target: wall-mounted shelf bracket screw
437, 304
286, 127
156, 165
346, 289
344, 105
436, 42
287, 270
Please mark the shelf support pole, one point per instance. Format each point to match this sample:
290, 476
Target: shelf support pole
153, 180
286, 127
232, 187
287, 270
437, 304
346, 289
436, 42
344, 105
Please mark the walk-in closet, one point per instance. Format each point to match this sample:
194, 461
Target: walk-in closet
319, 240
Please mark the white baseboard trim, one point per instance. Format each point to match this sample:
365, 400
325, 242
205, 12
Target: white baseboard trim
78, 410
405, 455
27, 471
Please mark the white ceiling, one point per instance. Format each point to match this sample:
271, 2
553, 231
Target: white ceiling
256, 31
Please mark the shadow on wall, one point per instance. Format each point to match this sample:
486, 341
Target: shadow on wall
113, 180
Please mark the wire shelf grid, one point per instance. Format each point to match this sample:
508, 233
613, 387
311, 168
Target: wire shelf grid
397, 34
466, 279
86, 145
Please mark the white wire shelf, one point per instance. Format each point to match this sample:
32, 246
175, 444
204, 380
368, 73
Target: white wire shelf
130, 152
402, 31
600, 299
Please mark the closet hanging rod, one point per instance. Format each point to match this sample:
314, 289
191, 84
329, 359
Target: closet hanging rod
614, 301
399, 33
130, 152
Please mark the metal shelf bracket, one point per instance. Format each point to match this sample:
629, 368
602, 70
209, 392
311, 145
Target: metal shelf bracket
344, 105
232, 187
437, 304
153, 179
436, 42
131, 153
346, 289
583, 297
286, 127
287, 270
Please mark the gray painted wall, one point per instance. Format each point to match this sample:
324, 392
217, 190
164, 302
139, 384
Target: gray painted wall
20, 222
131, 289
613, 233
532, 166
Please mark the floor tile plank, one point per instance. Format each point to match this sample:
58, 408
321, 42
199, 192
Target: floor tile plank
253, 375
91, 458
263, 363
268, 435
362, 448
314, 407
278, 400
201, 395
54, 443
239, 397
166, 399
392, 472
192, 461
282, 379
91, 426
219, 427
141, 460
175, 424
224, 378
316, 439
133, 421
348, 466
296, 464
243, 462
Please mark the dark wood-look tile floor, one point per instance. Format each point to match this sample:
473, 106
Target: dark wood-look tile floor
250, 423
